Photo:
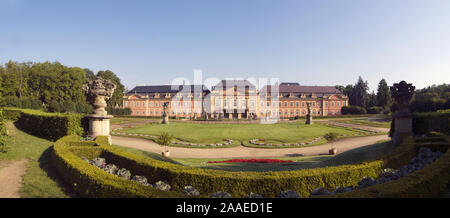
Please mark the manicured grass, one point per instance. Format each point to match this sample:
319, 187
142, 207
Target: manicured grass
365, 122
366, 153
40, 179
357, 155
300, 163
213, 133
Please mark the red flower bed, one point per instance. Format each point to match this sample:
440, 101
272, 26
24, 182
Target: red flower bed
252, 161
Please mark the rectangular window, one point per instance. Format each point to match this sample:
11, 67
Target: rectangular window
126, 104
292, 104
137, 104
303, 103
143, 104
297, 104
156, 104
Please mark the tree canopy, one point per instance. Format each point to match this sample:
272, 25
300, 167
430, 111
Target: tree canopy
53, 86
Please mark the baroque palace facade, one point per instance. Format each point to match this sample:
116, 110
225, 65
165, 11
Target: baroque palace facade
235, 99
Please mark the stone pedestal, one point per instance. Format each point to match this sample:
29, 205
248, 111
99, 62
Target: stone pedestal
309, 119
402, 127
165, 120
99, 126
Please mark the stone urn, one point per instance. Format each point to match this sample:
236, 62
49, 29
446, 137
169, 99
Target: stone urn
98, 91
166, 153
332, 151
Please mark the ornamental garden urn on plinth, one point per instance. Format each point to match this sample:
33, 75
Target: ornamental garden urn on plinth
402, 119
98, 91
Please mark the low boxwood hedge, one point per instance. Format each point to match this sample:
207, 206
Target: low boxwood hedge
50, 126
88, 180
239, 184
429, 181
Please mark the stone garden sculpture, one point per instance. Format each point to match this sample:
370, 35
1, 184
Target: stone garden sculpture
98, 91
308, 116
402, 119
165, 119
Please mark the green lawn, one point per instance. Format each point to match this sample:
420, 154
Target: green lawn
366, 153
211, 133
365, 122
40, 179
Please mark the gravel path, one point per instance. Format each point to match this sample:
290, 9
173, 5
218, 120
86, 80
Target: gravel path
11, 178
241, 151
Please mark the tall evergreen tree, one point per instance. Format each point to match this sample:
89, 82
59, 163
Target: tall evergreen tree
359, 95
372, 100
383, 94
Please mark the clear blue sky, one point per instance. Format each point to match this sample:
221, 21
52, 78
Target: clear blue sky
314, 42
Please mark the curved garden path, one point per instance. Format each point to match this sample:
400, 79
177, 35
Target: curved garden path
11, 175
241, 151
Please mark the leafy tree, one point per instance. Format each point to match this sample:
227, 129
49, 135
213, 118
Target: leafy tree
90, 75
116, 99
383, 94
359, 95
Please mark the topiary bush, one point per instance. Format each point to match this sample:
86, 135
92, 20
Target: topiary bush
50, 126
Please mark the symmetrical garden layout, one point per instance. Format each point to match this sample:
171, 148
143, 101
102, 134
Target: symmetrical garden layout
295, 134
131, 174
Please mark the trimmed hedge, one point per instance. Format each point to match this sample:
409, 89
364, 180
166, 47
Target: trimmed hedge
239, 184
353, 109
429, 181
431, 121
3, 133
50, 126
207, 181
88, 180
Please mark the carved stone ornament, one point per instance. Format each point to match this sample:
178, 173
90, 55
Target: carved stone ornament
402, 93
98, 91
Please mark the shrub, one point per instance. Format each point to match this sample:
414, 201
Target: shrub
89, 181
119, 111
353, 109
431, 121
375, 110
430, 181
3, 134
50, 126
